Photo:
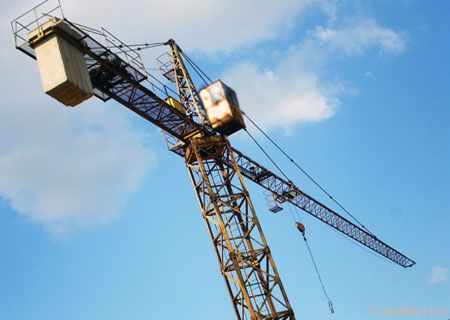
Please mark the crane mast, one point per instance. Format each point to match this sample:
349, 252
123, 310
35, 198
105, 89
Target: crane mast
216, 169
187, 92
244, 257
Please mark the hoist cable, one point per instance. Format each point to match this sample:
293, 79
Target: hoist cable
330, 303
146, 44
294, 218
359, 245
139, 48
306, 174
294, 213
196, 71
139, 45
196, 68
267, 155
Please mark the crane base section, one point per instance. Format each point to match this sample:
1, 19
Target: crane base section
62, 65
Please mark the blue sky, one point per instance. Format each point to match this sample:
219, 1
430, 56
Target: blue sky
98, 220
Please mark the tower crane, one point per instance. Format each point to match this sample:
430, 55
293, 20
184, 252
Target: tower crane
218, 171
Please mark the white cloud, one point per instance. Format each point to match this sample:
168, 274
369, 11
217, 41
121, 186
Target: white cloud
354, 38
63, 168
294, 91
438, 275
368, 74
277, 98
205, 25
69, 169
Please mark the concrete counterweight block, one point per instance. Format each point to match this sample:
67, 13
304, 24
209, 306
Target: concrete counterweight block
61, 63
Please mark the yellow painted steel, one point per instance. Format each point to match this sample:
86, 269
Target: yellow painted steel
175, 104
251, 277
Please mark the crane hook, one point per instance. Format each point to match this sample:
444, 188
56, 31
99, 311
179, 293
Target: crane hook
301, 227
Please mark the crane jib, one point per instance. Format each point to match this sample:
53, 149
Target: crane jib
292, 194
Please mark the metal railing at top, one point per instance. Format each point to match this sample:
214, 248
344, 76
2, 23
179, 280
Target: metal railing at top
101, 41
131, 56
49, 10
33, 19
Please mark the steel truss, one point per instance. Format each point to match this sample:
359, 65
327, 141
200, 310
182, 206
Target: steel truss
244, 257
185, 86
286, 191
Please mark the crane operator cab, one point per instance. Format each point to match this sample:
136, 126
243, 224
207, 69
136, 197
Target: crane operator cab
222, 108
